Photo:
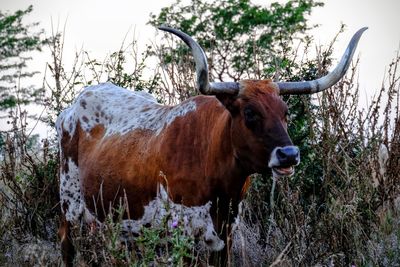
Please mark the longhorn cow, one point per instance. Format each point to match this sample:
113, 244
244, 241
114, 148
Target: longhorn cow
114, 143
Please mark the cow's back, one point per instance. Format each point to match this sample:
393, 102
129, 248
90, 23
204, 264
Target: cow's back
108, 138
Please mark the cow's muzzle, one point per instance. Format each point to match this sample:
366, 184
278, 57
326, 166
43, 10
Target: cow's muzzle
283, 160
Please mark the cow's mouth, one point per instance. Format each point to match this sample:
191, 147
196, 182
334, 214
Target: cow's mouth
283, 160
283, 171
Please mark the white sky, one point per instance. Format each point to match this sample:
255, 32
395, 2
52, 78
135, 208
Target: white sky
99, 26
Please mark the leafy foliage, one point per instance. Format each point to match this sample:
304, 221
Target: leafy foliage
16, 41
259, 36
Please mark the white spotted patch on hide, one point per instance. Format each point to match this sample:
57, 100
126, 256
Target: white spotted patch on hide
71, 198
196, 221
120, 111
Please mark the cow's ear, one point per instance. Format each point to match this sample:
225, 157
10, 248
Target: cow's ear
231, 102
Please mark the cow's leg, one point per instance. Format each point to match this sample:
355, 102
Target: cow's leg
67, 248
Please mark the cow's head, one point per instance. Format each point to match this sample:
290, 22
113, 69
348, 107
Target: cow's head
259, 116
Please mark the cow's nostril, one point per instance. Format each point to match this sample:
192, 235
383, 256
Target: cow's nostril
288, 155
280, 153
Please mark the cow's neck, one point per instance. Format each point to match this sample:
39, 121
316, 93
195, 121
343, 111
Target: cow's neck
206, 166
228, 167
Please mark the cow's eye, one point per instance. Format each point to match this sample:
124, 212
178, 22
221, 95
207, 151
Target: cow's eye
251, 118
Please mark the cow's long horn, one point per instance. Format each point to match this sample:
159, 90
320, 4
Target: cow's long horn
314, 86
200, 59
